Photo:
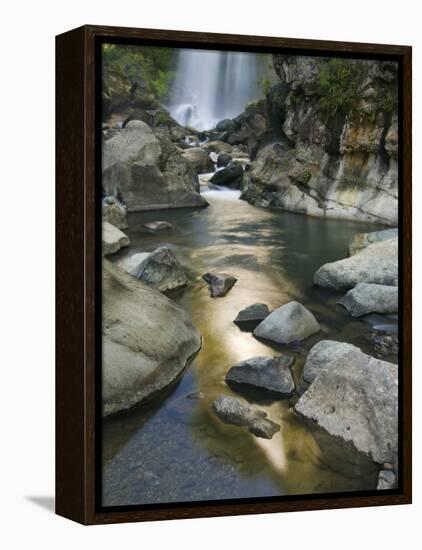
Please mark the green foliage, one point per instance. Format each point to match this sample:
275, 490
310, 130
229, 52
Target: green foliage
386, 101
265, 85
337, 86
146, 65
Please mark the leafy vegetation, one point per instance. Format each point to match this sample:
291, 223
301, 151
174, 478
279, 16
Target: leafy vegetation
151, 68
337, 85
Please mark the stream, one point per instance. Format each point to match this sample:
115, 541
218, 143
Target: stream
176, 449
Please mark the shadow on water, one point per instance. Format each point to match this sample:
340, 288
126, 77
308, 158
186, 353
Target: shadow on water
176, 449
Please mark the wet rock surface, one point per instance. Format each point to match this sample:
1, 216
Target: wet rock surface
158, 226
268, 375
219, 283
251, 316
233, 411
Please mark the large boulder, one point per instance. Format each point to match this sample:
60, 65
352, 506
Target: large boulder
148, 172
199, 159
356, 399
268, 375
114, 212
230, 176
371, 298
377, 263
148, 341
219, 283
217, 146
362, 240
250, 317
289, 323
112, 239
234, 411
161, 270
321, 354
223, 160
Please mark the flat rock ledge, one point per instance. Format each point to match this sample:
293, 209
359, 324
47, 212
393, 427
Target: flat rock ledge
219, 283
356, 399
371, 298
289, 323
112, 239
233, 411
139, 361
321, 355
250, 317
269, 375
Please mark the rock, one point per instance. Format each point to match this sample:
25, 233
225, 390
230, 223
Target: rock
220, 283
112, 239
362, 240
147, 171
217, 146
270, 375
148, 341
199, 158
233, 411
385, 344
114, 212
161, 270
289, 323
371, 298
223, 160
356, 399
157, 226
231, 176
226, 125
251, 316
386, 480
320, 356
377, 263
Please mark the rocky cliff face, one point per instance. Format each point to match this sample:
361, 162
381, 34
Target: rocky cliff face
333, 150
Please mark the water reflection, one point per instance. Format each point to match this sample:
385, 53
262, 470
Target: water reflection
177, 450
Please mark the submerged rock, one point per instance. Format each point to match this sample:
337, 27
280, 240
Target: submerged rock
199, 158
371, 298
356, 399
270, 375
161, 270
230, 176
114, 212
157, 226
384, 343
362, 240
147, 341
233, 411
220, 283
377, 263
320, 356
289, 323
251, 316
112, 239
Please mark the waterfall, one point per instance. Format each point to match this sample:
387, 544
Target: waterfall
212, 85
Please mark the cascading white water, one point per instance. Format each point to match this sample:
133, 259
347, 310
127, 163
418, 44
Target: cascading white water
212, 85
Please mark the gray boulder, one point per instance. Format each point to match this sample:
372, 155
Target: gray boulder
270, 375
320, 356
157, 226
289, 323
385, 344
217, 146
223, 160
226, 125
230, 176
251, 316
161, 270
112, 239
377, 263
199, 159
114, 212
386, 480
356, 399
234, 411
148, 341
362, 240
371, 298
219, 283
